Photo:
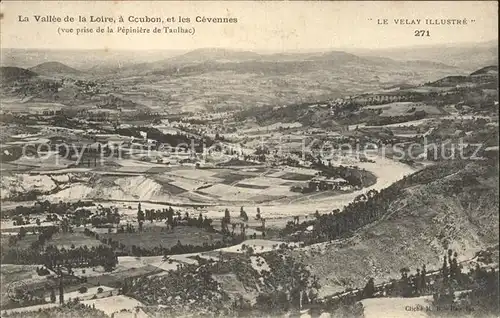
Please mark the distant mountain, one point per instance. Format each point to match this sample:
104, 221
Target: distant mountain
83, 59
9, 73
465, 56
224, 56
209, 60
54, 68
213, 55
228, 56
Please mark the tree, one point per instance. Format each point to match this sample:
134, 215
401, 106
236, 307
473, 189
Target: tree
140, 217
369, 289
243, 214
444, 269
61, 288
22, 232
82, 290
405, 289
423, 278
140, 214
52, 295
292, 280
170, 216
316, 214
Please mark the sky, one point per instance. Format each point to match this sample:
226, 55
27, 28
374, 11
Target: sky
271, 26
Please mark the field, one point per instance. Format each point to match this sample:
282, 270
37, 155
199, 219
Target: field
14, 274
67, 240
24, 243
88, 294
178, 185
404, 108
156, 236
32, 107
114, 304
259, 246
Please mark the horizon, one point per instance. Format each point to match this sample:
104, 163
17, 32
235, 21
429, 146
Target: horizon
265, 51
134, 57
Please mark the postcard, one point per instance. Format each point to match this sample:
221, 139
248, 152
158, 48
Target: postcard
249, 159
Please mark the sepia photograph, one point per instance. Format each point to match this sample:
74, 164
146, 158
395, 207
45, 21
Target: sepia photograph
301, 159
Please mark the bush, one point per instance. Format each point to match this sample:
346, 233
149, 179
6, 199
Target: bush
42, 271
83, 289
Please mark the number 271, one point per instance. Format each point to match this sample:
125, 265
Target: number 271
422, 33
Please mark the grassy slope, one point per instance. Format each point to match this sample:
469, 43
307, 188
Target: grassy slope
458, 211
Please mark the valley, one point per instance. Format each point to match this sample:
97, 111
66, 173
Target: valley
233, 183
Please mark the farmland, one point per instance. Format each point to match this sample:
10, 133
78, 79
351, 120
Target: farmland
160, 236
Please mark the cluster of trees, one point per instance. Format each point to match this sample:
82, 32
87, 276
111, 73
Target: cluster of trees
363, 210
354, 177
45, 235
166, 139
178, 248
315, 185
39, 207
102, 217
128, 228
20, 119
172, 218
386, 120
190, 288
288, 284
478, 287
52, 256
226, 221
24, 220
70, 309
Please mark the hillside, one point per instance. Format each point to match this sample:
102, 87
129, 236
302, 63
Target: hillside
485, 75
8, 73
241, 79
54, 68
490, 70
326, 113
450, 205
464, 56
245, 80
